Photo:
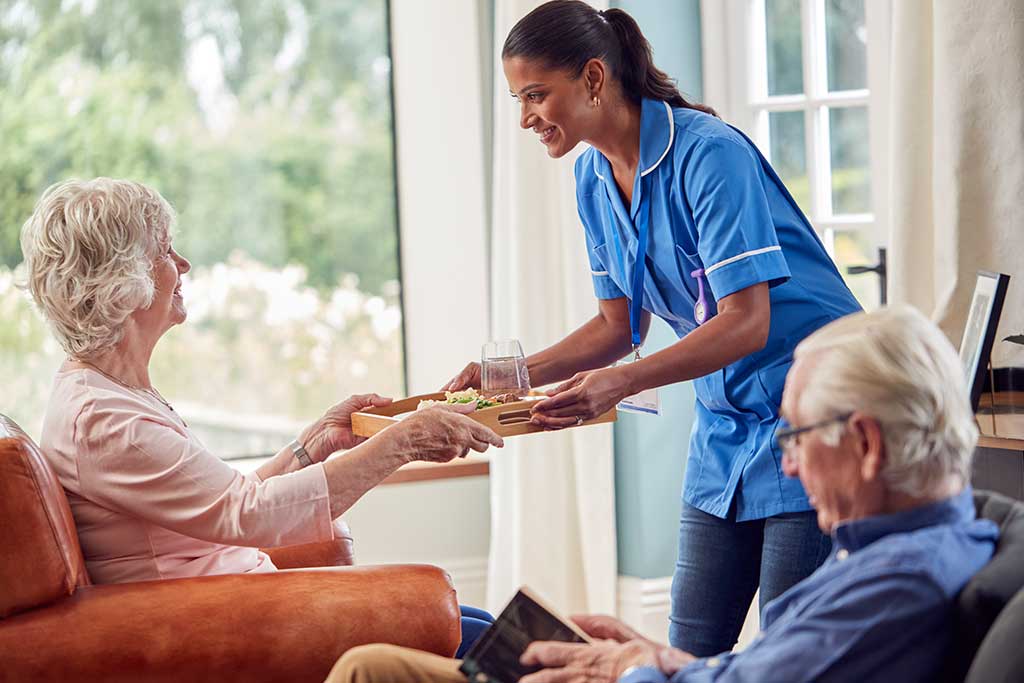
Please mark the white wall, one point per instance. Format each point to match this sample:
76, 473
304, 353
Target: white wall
441, 522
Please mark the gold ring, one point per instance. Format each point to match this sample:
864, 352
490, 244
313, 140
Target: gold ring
579, 420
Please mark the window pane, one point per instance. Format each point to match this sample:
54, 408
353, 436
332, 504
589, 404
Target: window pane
268, 127
788, 154
846, 39
784, 58
851, 184
852, 248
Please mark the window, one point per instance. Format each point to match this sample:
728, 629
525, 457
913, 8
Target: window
268, 126
799, 87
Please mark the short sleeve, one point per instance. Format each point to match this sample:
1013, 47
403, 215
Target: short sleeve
604, 286
588, 205
736, 236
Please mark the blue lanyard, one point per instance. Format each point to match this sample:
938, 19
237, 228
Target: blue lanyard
636, 294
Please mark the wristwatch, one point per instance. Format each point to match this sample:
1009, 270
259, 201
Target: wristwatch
645, 673
300, 453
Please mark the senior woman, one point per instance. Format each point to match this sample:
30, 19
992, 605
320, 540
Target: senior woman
149, 500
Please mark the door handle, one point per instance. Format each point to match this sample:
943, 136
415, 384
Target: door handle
880, 269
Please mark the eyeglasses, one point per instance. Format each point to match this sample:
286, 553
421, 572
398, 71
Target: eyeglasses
787, 436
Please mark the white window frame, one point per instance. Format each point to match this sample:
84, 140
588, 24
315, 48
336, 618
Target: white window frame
735, 83
441, 188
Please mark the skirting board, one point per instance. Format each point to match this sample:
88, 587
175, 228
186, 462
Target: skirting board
469, 575
644, 605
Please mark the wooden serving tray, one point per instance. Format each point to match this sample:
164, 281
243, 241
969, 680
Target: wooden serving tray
509, 419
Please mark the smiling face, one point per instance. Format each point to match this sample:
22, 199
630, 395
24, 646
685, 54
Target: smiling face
168, 306
559, 108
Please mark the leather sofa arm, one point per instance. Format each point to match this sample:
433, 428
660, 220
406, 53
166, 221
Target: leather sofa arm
281, 626
339, 552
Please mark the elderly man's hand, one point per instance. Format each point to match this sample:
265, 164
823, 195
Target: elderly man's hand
333, 431
604, 627
618, 648
602, 662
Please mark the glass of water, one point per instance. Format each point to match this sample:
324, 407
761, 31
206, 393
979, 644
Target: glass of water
503, 368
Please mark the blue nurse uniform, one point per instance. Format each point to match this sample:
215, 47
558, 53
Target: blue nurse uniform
712, 202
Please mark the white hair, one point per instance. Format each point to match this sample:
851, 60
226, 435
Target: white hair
89, 248
896, 366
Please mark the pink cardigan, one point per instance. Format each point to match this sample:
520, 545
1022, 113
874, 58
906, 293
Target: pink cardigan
151, 502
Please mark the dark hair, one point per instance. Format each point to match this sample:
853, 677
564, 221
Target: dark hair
566, 34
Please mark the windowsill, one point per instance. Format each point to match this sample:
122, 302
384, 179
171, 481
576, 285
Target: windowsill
470, 466
431, 471
1004, 431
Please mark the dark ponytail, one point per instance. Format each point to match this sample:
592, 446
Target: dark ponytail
566, 34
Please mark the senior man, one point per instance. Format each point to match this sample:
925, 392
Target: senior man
877, 425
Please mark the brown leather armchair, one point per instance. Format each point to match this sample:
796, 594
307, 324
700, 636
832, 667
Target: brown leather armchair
284, 626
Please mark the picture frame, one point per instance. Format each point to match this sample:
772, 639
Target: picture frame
980, 330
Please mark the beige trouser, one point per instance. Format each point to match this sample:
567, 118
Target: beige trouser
393, 664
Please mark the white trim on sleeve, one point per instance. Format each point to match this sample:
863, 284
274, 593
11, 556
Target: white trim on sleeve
739, 257
599, 273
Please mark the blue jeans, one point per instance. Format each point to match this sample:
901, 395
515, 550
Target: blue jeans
474, 622
721, 564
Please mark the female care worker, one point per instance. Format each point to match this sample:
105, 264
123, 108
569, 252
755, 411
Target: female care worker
686, 220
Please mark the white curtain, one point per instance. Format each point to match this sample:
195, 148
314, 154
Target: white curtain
553, 494
955, 127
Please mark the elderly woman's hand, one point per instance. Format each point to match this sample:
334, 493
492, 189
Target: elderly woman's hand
333, 431
440, 434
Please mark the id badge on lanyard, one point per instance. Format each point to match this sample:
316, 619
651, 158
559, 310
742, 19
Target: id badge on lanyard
647, 401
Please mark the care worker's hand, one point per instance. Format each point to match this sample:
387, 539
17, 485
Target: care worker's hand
586, 395
333, 431
469, 377
440, 434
